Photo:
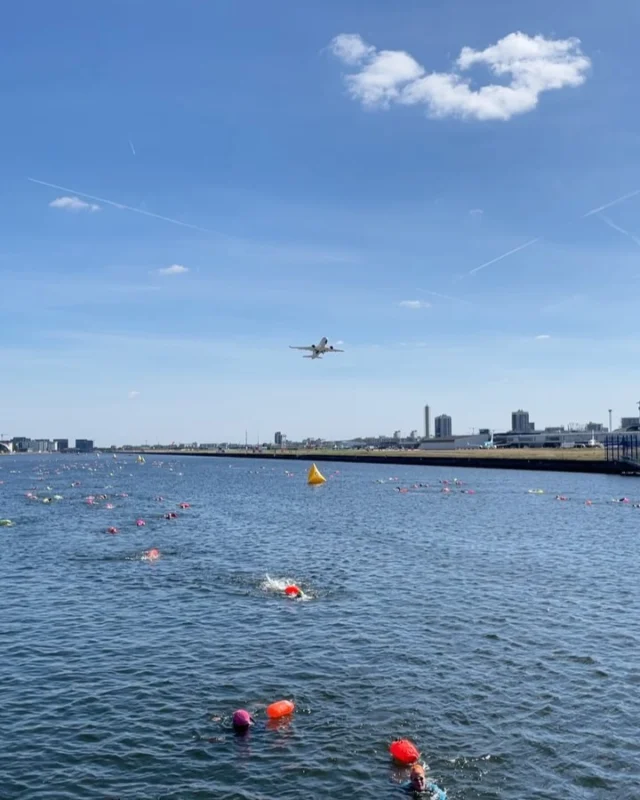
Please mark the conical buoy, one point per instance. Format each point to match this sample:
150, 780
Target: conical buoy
315, 477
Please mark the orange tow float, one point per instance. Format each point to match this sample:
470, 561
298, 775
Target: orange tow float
404, 751
279, 709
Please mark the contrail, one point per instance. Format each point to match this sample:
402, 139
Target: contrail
615, 227
122, 207
615, 202
504, 255
612, 203
133, 149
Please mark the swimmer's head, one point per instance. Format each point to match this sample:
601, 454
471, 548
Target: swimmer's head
418, 778
241, 720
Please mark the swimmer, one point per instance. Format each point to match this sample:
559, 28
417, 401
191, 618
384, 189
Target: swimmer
151, 555
294, 591
241, 721
419, 784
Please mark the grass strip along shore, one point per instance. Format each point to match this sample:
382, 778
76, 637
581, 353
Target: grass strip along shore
552, 460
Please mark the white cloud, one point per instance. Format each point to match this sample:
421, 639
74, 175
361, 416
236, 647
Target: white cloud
174, 269
133, 395
73, 204
532, 64
476, 212
543, 336
350, 48
415, 304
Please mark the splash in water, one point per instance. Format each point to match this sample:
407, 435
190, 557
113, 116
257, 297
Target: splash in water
279, 586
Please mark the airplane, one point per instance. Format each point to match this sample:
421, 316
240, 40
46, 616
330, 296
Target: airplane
318, 350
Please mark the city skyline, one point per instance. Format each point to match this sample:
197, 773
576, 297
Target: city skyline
444, 426
161, 250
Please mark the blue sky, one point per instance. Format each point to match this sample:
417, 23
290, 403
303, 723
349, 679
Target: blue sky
313, 185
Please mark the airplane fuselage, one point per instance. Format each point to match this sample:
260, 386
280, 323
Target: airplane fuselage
318, 350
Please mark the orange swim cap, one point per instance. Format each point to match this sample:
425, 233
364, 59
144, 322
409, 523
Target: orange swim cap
417, 769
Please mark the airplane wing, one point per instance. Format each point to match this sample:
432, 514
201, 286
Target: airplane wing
291, 347
334, 350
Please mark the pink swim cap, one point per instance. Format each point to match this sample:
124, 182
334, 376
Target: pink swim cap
241, 719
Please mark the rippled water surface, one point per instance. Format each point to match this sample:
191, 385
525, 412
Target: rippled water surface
498, 630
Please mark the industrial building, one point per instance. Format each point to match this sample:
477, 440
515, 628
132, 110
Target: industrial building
443, 426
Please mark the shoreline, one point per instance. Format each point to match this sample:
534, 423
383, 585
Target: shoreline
589, 461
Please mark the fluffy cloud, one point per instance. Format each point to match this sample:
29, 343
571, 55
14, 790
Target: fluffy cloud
531, 64
133, 395
73, 204
476, 212
174, 269
543, 336
415, 304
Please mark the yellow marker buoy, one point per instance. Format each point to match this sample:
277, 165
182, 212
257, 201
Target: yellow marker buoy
315, 477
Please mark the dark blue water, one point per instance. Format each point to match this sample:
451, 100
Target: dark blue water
498, 630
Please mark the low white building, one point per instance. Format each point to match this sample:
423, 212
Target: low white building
471, 442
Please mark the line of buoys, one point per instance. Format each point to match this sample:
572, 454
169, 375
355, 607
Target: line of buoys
315, 477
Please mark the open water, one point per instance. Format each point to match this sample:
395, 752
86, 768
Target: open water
498, 630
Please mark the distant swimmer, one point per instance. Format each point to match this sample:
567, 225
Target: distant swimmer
241, 721
293, 591
418, 784
151, 555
